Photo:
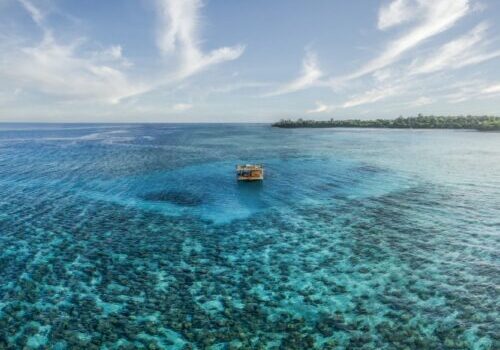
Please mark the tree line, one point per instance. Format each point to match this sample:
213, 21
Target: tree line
482, 123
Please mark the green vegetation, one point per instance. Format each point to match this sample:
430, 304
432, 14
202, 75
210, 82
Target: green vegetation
482, 123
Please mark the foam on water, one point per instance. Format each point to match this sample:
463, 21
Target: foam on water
356, 239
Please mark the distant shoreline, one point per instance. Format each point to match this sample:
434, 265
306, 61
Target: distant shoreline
479, 123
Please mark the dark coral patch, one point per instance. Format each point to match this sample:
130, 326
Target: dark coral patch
175, 197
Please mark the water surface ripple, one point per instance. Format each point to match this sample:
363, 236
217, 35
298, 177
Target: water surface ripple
139, 237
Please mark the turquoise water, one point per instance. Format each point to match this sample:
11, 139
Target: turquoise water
139, 237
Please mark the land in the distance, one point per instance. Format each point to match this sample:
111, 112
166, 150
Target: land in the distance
482, 123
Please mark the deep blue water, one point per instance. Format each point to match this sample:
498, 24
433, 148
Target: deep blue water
139, 237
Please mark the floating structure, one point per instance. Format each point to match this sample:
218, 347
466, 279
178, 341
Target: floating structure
250, 172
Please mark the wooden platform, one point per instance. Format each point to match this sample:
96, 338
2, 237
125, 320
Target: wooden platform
250, 172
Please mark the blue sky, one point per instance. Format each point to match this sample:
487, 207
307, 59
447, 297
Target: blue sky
237, 61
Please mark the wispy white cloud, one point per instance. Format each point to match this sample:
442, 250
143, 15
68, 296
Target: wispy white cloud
57, 69
428, 18
181, 107
421, 101
320, 108
178, 33
431, 18
465, 50
113, 53
73, 70
65, 70
422, 94
372, 96
382, 75
491, 89
36, 14
77, 70
467, 91
395, 13
242, 85
479, 6
434, 17
309, 76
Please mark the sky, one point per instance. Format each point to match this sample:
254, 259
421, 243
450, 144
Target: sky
246, 61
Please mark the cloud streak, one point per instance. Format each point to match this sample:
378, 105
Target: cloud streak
65, 70
56, 69
436, 16
428, 18
70, 70
181, 107
417, 60
492, 89
395, 13
309, 76
35, 13
178, 33
463, 51
431, 18
371, 96
320, 108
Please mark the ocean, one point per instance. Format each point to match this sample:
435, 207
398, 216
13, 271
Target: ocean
138, 236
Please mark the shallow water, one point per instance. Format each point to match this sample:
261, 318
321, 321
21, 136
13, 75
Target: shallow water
138, 236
